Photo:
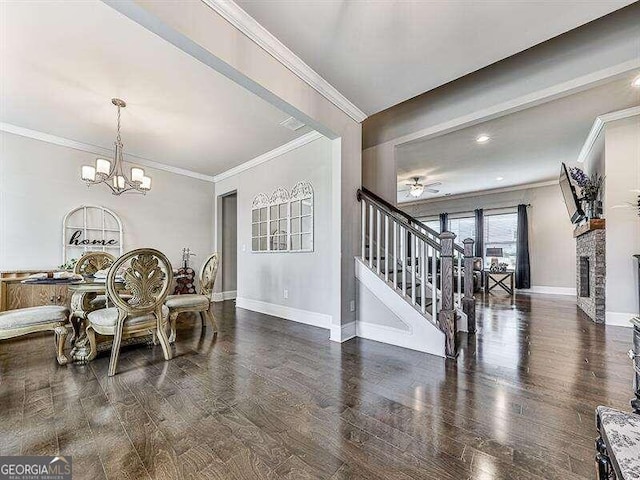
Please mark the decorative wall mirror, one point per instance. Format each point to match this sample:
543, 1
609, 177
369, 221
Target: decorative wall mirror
88, 229
301, 203
283, 222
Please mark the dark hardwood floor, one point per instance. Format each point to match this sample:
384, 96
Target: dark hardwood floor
270, 398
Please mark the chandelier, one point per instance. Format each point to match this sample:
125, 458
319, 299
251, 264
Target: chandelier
113, 176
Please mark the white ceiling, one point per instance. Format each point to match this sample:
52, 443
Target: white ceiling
525, 147
381, 53
62, 62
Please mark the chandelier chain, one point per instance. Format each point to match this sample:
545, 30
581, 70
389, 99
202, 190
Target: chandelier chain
118, 138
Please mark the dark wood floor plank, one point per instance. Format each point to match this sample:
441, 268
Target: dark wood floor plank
267, 398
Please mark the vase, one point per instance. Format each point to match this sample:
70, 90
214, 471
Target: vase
593, 209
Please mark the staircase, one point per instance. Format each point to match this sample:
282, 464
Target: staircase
418, 274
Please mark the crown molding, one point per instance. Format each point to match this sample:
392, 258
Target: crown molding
265, 157
244, 22
97, 150
479, 193
599, 124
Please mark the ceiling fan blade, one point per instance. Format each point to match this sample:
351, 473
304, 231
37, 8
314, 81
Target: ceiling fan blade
433, 184
431, 190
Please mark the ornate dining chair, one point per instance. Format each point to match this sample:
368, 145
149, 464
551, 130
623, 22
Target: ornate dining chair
87, 266
148, 276
200, 302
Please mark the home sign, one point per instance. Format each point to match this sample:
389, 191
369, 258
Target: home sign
91, 228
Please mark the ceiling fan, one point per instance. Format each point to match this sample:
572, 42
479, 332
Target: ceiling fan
416, 189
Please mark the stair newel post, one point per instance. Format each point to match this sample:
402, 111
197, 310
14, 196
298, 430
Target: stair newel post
447, 315
469, 301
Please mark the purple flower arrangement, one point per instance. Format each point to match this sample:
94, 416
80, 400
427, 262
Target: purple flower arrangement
589, 186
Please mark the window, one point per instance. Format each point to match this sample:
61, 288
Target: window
500, 231
464, 227
433, 224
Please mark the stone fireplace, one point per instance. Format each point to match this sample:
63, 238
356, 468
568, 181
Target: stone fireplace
591, 269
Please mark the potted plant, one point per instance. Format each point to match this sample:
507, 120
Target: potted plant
590, 187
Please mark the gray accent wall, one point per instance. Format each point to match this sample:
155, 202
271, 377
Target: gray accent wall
229, 242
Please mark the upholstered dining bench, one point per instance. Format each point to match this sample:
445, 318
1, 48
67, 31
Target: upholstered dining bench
15, 323
618, 446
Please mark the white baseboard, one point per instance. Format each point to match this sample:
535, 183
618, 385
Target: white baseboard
549, 290
342, 333
222, 296
619, 319
315, 319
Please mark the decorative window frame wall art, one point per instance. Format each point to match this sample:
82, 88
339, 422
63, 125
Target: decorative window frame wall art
283, 221
90, 228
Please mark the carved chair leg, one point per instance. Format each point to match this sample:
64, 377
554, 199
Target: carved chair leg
203, 319
162, 335
172, 324
115, 351
212, 320
91, 335
75, 328
154, 337
61, 337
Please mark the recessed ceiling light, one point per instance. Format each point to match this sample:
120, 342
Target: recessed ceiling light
499, 179
636, 82
484, 138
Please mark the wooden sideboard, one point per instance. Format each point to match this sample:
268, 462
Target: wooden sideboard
14, 294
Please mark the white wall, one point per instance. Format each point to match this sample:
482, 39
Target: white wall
40, 182
552, 248
622, 177
263, 277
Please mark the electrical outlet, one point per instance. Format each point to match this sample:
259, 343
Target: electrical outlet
244, 247
285, 294
352, 306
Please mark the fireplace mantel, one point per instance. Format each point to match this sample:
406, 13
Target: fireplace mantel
592, 224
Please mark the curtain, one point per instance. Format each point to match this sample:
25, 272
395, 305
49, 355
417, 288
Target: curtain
444, 222
479, 245
523, 270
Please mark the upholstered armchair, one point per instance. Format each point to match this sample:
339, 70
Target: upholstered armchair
148, 276
201, 302
22, 321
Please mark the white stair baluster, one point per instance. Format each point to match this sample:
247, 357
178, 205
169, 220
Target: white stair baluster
371, 236
423, 276
414, 266
403, 252
378, 217
386, 248
395, 255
